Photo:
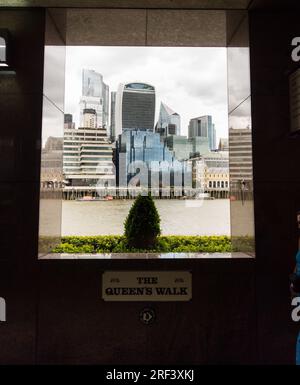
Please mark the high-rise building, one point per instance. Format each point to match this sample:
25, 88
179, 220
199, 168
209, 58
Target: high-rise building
89, 118
158, 168
240, 165
135, 107
95, 95
203, 126
92, 83
143, 146
223, 144
197, 128
180, 146
105, 105
213, 138
200, 146
87, 156
184, 148
113, 116
68, 121
168, 121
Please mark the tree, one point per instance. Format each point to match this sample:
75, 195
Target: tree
142, 225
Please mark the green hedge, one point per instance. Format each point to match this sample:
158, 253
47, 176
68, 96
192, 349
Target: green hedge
117, 244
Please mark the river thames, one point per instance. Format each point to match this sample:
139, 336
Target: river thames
178, 217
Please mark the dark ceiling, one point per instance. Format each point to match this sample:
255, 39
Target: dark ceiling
157, 4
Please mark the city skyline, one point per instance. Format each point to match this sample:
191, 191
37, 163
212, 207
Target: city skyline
174, 85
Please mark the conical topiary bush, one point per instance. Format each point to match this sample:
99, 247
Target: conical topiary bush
142, 225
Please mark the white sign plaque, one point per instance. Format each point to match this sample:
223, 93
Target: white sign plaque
147, 286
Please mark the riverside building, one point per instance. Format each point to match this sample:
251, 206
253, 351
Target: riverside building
143, 160
87, 156
211, 173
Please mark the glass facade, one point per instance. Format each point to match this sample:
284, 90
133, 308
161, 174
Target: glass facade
143, 150
240, 140
135, 107
95, 95
139, 86
113, 116
204, 127
184, 148
51, 175
168, 121
91, 83
138, 110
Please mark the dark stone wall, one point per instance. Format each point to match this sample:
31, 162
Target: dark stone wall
277, 180
216, 326
20, 131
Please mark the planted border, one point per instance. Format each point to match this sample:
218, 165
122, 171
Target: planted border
165, 244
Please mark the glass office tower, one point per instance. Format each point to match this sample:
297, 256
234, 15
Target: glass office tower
95, 95
112, 116
204, 127
184, 148
139, 149
168, 121
135, 107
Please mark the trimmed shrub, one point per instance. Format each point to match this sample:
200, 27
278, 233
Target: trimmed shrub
142, 225
118, 244
69, 248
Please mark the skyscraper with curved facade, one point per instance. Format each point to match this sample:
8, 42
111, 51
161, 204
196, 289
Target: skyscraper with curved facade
134, 107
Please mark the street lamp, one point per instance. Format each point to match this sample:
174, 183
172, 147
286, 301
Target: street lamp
242, 187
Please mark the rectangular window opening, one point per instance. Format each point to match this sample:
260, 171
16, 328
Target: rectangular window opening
134, 133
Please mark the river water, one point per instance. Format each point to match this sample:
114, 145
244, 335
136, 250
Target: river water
178, 217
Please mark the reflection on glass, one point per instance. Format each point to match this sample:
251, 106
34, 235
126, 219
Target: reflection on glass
240, 150
51, 176
54, 74
238, 75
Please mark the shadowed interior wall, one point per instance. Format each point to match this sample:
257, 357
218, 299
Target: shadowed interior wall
50, 215
276, 178
20, 132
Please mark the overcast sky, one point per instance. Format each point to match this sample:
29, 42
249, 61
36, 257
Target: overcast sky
191, 81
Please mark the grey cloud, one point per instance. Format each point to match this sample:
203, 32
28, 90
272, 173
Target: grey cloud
192, 81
